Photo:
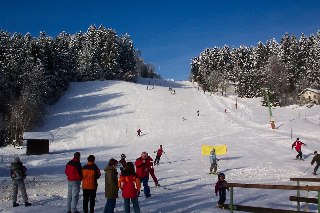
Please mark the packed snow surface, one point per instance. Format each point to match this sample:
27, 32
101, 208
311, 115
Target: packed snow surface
102, 118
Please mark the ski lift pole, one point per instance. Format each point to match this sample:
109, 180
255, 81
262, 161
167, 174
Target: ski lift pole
167, 157
270, 112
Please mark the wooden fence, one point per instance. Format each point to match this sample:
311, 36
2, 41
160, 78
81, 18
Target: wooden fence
232, 207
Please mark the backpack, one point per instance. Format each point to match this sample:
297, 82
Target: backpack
18, 173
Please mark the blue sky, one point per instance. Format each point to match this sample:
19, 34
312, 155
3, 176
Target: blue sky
169, 33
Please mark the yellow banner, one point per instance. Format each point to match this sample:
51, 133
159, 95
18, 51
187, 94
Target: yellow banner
220, 150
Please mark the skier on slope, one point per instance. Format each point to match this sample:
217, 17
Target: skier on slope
122, 162
151, 170
139, 131
316, 159
213, 161
297, 144
159, 153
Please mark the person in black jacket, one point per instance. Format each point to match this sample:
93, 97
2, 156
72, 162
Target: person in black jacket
222, 190
316, 159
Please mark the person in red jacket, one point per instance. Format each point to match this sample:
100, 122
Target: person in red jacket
151, 170
129, 183
143, 172
298, 145
159, 153
139, 131
74, 174
91, 174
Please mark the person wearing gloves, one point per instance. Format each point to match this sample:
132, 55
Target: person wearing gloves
213, 161
18, 174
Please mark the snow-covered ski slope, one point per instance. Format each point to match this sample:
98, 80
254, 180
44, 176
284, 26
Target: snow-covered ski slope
102, 117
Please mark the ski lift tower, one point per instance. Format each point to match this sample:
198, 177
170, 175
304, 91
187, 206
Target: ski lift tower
267, 91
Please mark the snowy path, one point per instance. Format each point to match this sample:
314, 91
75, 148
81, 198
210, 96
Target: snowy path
102, 118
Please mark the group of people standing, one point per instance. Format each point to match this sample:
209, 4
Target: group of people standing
129, 182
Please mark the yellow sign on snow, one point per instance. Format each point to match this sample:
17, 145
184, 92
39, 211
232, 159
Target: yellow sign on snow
220, 150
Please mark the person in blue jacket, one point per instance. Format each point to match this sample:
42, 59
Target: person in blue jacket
213, 161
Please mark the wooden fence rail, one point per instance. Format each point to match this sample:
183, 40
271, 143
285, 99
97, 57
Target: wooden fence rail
264, 186
298, 198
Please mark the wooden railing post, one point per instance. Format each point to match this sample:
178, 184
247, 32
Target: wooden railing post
318, 201
231, 199
298, 195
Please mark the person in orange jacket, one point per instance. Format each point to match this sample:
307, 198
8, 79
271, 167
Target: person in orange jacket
91, 174
130, 185
151, 169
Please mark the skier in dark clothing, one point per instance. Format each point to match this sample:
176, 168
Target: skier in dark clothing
316, 159
122, 162
298, 145
221, 190
159, 153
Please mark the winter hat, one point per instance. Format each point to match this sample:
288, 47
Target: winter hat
315, 152
17, 160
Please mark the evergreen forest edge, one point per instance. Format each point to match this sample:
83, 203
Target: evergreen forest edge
35, 72
286, 69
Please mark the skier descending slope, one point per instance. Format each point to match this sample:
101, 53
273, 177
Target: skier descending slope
297, 144
159, 153
139, 131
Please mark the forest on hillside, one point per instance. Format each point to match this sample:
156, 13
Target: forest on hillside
36, 71
285, 68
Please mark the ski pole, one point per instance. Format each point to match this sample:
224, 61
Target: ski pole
307, 169
167, 157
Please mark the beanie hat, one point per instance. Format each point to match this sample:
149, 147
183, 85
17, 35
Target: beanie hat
17, 160
315, 152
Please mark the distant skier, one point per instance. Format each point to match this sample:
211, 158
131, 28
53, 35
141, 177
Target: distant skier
122, 162
297, 144
316, 159
139, 131
159, 153
198, 112
213, 161
221, 190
